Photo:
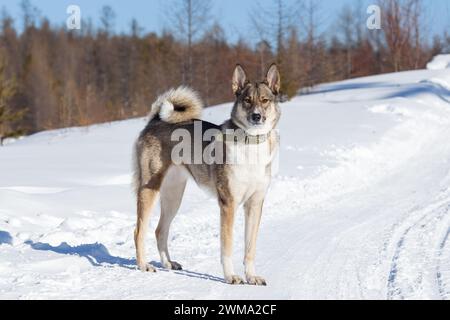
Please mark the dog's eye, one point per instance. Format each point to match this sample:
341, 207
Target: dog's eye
265, 101
248, 100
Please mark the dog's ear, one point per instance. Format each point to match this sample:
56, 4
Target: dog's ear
239, 79
273, 79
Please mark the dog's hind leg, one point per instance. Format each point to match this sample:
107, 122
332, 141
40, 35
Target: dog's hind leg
150, 177
172, 191
146, 199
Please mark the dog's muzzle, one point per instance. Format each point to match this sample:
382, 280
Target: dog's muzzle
256, 118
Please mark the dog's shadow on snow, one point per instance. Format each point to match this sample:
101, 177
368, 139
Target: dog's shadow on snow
5, 237
188, 273
98, 255
95, 253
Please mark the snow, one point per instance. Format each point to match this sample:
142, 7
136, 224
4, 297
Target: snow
360, 207
439, 62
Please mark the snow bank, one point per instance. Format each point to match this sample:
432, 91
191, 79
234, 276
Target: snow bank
439, 62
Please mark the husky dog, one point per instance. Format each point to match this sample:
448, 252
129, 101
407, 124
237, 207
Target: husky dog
255, 114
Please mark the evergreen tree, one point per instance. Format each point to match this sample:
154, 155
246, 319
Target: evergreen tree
9, 118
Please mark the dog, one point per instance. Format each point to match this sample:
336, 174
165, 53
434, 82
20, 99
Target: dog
255, 115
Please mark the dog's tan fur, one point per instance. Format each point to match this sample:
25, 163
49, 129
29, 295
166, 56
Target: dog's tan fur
233, 184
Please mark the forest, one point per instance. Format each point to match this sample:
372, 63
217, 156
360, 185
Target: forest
52, 77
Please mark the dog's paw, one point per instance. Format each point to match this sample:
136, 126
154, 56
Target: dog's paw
256, 281
145, 267
172, 265
234, 280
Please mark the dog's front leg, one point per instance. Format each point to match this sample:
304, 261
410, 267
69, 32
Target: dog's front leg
253, 211
227, 210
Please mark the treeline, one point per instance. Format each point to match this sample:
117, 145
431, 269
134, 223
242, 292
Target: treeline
51, 77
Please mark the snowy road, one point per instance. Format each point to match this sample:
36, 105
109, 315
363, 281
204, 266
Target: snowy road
360, 207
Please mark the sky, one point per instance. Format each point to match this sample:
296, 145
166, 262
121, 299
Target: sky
233, 15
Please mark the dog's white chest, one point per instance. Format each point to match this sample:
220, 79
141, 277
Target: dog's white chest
247, 180
250, 170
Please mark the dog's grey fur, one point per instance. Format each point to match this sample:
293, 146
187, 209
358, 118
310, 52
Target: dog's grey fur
233, 184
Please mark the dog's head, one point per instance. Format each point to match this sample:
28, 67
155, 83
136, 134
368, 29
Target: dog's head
256, 108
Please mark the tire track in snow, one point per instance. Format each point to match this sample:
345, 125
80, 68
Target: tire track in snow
393, 271
404, 280
439, 274
442, 258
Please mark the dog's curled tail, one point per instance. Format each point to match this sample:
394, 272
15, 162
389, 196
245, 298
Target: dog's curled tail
177, 105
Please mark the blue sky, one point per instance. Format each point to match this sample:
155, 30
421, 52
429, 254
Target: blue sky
232, 14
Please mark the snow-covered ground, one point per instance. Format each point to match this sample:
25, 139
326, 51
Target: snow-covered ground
360, 207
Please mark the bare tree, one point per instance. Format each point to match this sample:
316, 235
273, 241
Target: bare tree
107, 19
402, 25
416, 25
273, 22
348, 27
189, 19
264, 49
30, 13
136, 29
310, 25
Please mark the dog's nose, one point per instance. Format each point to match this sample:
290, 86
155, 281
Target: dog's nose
256, 117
